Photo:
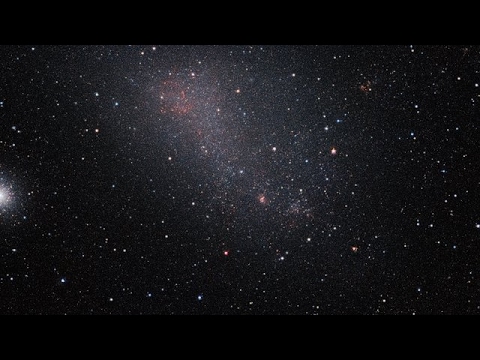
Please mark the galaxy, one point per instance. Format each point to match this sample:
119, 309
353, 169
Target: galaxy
239, 179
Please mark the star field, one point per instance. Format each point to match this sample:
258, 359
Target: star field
237, 179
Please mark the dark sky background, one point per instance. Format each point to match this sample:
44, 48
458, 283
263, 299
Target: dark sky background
239, 179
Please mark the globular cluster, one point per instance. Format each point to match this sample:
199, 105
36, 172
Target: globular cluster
239, 179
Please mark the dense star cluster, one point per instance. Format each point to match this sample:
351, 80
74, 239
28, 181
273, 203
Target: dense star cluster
262, 179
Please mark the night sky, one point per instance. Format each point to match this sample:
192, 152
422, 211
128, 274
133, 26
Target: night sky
239, 179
